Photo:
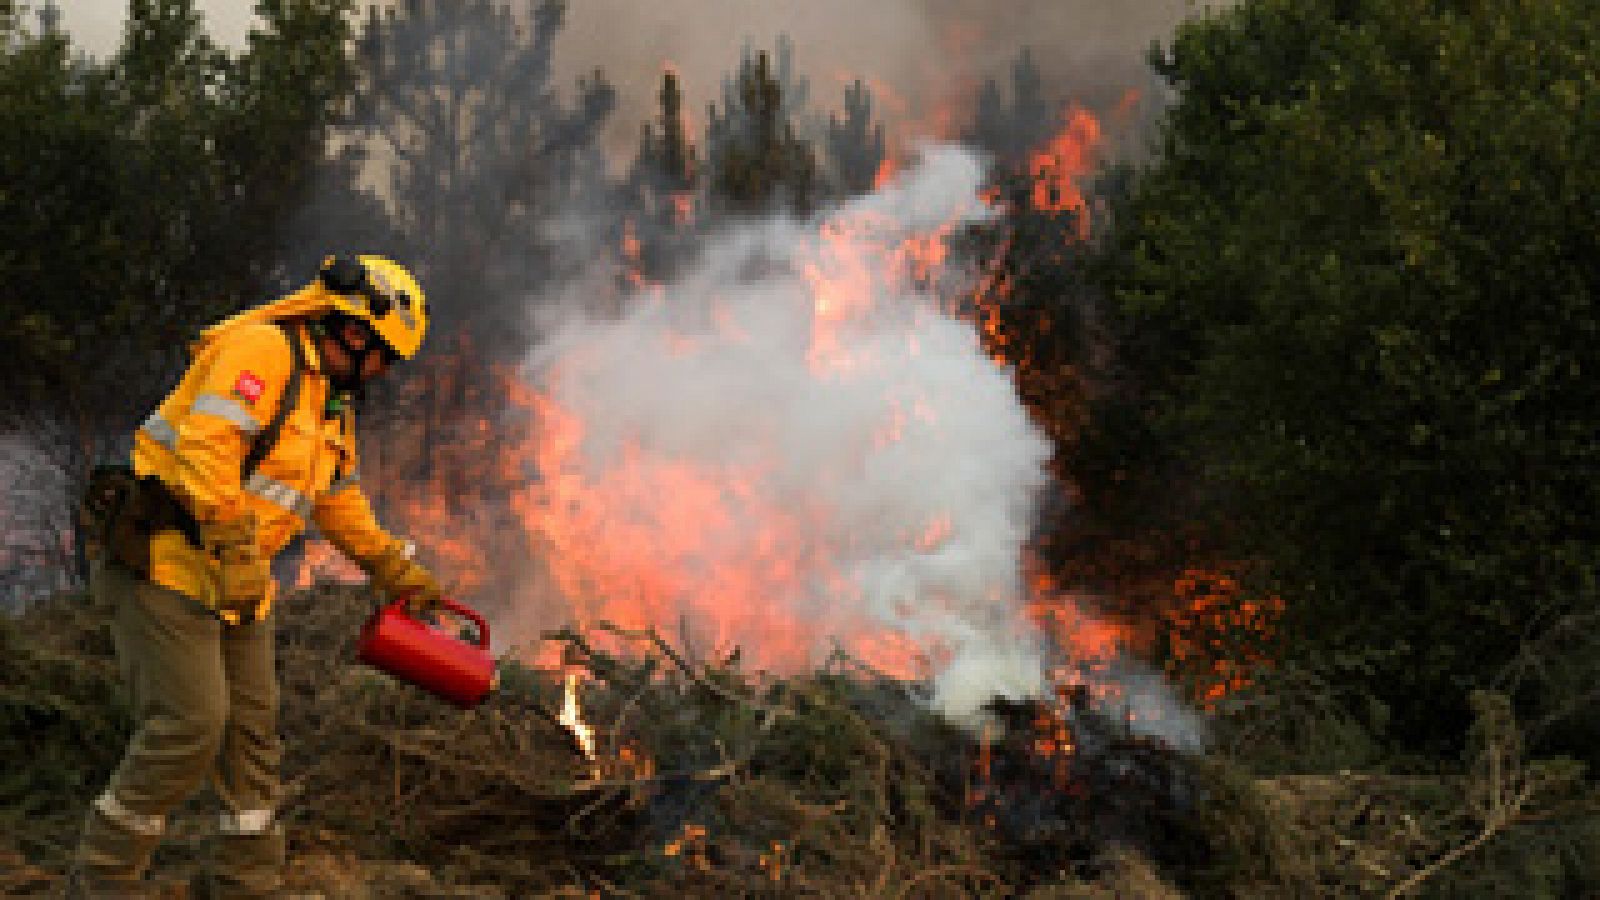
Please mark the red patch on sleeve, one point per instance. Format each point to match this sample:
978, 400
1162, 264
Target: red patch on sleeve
249, 387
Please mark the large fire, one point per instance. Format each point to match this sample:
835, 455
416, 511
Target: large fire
730, 461
1059, 167
734, 549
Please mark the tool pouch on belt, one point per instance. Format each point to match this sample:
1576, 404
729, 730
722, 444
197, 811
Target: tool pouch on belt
120, 511
114, 519
245, 573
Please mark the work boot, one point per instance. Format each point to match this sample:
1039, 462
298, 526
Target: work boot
245, 867
111, 860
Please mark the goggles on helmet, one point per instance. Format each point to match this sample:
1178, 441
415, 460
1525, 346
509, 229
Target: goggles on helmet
344, 275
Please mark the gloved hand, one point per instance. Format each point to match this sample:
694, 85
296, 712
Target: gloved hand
396, 575
245, 571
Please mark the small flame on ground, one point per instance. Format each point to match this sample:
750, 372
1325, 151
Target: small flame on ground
572, 719
692, 845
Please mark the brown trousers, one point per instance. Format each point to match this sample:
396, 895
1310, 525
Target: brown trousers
205, 705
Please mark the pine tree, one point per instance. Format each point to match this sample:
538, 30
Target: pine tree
1033, 117
991, 123
479, 152
477, 147
855, 143
1009, 132
756, 162
661, 189
665, 164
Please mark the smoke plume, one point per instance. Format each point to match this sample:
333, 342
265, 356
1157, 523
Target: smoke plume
870, 434
923, 58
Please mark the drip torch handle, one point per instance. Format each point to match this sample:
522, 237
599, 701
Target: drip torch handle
470, 614
400, 604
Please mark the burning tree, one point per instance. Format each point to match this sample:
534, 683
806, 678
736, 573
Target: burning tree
856, 146
662, 193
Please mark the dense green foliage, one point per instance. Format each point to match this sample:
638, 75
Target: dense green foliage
1359, 286
144, 193
141, 197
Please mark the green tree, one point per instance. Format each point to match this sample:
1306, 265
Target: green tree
145, 193
1360, 287
293, 179
143, 198
476, 148
756, 162
666, 156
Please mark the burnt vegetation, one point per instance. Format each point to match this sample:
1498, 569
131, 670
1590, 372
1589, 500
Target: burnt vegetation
1319, 375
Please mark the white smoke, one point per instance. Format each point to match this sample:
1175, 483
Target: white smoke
718, 370
36, 549
1151, 705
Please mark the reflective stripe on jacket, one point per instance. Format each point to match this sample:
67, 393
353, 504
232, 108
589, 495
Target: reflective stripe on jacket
196, 442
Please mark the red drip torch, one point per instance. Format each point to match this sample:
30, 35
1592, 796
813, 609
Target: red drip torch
428, 656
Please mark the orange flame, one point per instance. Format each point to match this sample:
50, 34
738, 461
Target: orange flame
572, 718
1067, 158
652, 541
323, 562
888, 168
683, 206
1215, 635
632, 255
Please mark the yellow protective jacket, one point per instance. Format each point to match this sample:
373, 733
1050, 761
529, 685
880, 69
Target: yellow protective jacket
197, 439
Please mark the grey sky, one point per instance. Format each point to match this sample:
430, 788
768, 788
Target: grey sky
924, 55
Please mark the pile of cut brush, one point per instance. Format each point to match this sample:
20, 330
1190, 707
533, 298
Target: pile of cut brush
703, 779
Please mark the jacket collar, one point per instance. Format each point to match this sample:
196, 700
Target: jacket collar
308, 344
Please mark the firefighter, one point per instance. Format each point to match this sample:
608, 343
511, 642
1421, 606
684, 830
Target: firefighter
255, 441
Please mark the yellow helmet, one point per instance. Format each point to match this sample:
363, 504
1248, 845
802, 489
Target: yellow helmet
383, 294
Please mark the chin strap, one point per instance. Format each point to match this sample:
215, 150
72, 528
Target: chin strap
358, 355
